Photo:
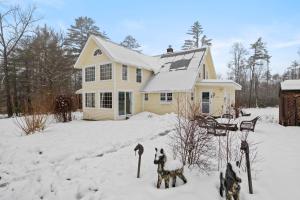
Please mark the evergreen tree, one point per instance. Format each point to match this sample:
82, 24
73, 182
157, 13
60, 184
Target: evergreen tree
256, 63
205, 41
130, 43
78, 34
196, 32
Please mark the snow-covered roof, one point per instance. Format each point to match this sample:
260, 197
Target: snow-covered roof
127, 56
217, 82
290, 85
178, 71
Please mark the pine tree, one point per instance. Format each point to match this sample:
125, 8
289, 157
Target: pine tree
255, 63
205, 41
77, 36
196, 32
79, 33
130, 43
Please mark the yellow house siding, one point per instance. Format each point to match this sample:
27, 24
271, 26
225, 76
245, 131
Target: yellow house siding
131, 85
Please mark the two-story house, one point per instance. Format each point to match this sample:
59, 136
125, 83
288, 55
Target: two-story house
118, 82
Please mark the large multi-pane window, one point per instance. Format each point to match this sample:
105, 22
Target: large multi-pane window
90, 100
105, 100
106, 72
166, 97
124, 72
89, 74
138, 75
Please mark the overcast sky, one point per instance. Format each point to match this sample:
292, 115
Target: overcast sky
156, 24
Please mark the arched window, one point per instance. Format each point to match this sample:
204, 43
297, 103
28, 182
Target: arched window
97, 52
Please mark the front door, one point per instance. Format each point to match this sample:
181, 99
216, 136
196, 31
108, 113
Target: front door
125, 103
205, 102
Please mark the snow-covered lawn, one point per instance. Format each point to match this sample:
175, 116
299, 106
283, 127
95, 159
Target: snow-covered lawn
95, 160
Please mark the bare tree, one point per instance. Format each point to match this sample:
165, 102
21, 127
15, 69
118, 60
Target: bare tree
14, 24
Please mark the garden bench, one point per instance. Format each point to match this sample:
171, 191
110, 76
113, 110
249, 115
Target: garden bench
248, 125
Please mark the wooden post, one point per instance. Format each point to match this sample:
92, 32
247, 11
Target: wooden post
139, 167
140, 149
245, 148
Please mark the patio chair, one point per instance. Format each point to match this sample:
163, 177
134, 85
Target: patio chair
245, 114
214, 127
248, 125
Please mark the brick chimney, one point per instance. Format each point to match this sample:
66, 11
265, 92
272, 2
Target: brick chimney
170, 49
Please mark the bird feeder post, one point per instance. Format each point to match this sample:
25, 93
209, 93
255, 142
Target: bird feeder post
245, 148
140, 150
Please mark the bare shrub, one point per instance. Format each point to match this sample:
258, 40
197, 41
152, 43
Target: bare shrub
63, 108
191, 143
34, 119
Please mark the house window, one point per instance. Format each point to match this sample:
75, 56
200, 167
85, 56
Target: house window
204, 73
124, 72
166, 97
105, 72
146, 97
89, 74
97, 52
105, 100
90, 100
138, 75
192, 96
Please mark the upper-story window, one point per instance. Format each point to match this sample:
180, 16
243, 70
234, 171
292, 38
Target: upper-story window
97, 52
204, 72
138, 75
192, 96
89, 74
90, 100
124, 72
166, 97
106, 72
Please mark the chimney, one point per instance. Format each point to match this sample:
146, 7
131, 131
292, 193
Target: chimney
170, 49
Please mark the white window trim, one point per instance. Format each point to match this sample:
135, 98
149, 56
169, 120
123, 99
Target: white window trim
166, 98
145, 96
84, 74
84, 100
112, 73
112, 100
96, 50
142, 78
122, 73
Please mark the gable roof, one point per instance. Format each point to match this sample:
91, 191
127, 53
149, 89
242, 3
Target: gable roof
124, 55
178, 71
290, 85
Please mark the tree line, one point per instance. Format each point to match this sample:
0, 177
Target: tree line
37, 61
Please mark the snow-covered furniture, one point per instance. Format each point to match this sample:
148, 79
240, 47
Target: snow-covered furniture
227, 116
245, 114
248, 125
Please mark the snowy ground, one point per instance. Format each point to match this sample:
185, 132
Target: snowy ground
95, 160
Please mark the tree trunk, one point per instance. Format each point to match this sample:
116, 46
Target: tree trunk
9, 109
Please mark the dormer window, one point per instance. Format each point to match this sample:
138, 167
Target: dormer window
97, 52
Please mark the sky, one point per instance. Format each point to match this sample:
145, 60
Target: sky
159, 23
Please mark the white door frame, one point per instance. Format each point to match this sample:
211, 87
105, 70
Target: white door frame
210, 100
131, 102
